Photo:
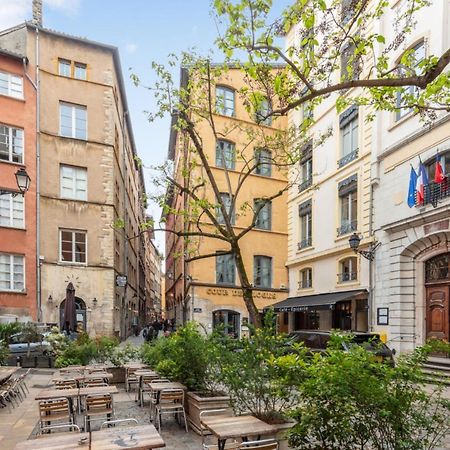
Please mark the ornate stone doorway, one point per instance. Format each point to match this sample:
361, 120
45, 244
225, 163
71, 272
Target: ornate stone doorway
437, 283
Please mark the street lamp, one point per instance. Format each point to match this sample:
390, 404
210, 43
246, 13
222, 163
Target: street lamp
354, 242
23, 183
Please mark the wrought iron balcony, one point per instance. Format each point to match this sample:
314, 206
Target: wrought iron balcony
305, 184
305, 284
347, 158
304, 243
435, 192
347, 276
347, 227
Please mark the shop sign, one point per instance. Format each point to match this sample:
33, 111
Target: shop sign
238, 293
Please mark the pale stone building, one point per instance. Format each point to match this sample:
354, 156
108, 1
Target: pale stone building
412, 276
88, 180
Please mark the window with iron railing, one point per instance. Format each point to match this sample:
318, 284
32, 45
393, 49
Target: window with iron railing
305, 215
348, 199
348, 270
305, 278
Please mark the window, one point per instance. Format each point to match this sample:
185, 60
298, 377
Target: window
431, 165
350, 62
226, 200
305, 214
73, 182
263, 162
11, 144
73, 246
80, 71
262, 113
225, 155
229, 320
12, 272
348, 199
11, 85
264, 217
12, 211
225, 101
348, 270
348, 123
307, 108
64, 67
262, 271
73, 120
417, 55
305, 278
306, 164
225, 269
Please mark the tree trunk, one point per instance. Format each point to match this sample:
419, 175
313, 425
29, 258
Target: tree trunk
246, 287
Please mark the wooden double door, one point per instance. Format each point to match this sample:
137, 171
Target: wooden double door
438, 312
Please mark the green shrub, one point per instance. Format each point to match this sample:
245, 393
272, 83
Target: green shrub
8, 329
4, 353
351, 401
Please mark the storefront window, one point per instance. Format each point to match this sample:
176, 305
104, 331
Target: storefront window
343, 316
227, 319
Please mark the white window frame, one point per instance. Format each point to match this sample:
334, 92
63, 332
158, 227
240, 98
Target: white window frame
14, 93
64, 62
80, 65
11, 147
12, 199
11, 273
353, 129
222, 109
73, 107
68, 230
263, 258
76, 170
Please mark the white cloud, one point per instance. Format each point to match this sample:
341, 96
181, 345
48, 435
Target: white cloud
69, 7
131, 47
14, 12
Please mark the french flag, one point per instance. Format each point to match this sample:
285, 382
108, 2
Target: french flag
422, 180
439, 172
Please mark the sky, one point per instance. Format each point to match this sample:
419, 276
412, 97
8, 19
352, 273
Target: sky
144, 31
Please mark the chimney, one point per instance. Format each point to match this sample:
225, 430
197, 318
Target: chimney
37, 13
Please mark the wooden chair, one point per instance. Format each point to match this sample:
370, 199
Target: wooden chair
68, 383
130, 377
5, 400
94, 382
206, 444
264, 444
57, 409
71, 427
144, 387
126, 422
98, 407
171, 401
154, 394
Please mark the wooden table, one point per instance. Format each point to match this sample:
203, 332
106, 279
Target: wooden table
60, 441
142, 372
98, 390
49, 394
170, 385
6, 372
135, 365
81, 377
227, 427
139, 437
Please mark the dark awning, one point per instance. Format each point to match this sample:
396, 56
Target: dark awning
318, 301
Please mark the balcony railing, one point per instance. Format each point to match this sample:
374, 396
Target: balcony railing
347, 276
435, 192
305, 284
347, 227
347, 158
304, 243
305, 184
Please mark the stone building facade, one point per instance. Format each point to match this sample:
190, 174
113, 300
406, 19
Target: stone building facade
90, 186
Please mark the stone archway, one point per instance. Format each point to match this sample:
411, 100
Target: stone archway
80, 313
408, 290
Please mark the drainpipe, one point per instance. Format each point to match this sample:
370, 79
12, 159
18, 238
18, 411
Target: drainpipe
371, 302
125, 216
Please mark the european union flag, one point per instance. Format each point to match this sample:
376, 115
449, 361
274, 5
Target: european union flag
412, 188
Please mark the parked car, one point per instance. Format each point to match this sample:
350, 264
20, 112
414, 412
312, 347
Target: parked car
317, 341
18, 346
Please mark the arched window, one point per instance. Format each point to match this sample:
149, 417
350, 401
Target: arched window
305, 278
225, 101
348, 270
437, 268
229, 320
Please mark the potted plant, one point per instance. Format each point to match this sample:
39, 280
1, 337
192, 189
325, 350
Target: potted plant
190, 357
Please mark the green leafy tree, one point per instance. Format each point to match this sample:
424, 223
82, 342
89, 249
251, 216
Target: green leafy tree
334, 55
30, 333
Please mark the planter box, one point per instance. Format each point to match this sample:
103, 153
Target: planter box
196, 402
118, 374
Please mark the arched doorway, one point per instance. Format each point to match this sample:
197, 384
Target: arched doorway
437, 285
80, 313
229, 319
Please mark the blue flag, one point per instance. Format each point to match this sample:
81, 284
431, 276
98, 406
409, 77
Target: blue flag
412, 188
